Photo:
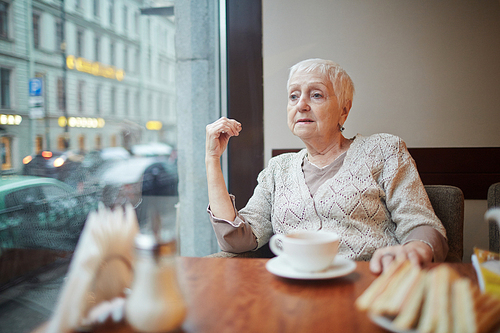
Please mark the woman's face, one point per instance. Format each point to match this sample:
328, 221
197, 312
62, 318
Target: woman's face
313, 110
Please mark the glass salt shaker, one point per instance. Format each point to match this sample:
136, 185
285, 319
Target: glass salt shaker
156, 302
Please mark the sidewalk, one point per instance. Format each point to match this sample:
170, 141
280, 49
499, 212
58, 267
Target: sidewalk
30, 303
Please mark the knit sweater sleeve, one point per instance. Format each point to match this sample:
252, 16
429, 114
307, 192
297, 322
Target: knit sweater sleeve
405, 195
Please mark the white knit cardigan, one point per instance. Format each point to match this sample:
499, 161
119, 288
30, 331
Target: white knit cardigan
376, 199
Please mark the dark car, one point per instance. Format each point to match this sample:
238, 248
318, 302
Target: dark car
39, 212
148, 183
58, 165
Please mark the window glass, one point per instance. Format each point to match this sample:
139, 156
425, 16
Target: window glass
79, 43
6, 151
4, 19
111, 5
36, 30
101, 76
59, 36
96, 8
5, 88
22, 197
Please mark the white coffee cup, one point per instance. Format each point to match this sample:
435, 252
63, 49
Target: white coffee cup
306, 251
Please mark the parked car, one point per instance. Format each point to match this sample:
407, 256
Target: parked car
40, 212
58, 165
87, 175
148, 183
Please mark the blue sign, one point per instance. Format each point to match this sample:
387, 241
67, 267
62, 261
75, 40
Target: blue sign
36, 87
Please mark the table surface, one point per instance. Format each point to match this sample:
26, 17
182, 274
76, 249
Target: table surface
240, 295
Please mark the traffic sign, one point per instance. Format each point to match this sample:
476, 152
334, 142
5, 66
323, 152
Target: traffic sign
36, 100
36, 85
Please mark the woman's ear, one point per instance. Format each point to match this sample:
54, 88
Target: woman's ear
346, 109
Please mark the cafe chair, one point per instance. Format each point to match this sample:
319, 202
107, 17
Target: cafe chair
448, 204
494, 201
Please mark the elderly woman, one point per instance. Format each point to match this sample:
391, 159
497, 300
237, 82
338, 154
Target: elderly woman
366, 189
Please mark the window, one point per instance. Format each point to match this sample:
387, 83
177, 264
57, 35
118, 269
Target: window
149, 64
80, 96
97, 47
97, 11
112, 54
59, 36
5, 88
111, 4
38, 144
4, 19
98, 140
126, 105
79, 43
137, 61
36, 30
78, 4
81, 142
113, 101
125, 18
61, 143
137, 103
136, 23
61, 98
98, 100
148, 29
5, 152
125, 58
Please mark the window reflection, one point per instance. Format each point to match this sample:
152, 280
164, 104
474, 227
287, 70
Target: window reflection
79, 136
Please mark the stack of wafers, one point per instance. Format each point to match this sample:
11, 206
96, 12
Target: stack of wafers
435, 300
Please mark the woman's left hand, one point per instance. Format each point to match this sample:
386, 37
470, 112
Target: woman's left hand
419, 253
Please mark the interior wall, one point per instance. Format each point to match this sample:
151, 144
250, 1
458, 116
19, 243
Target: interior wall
427, 71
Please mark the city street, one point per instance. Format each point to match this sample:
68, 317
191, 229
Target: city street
30, 303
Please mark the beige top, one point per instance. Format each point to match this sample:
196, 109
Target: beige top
371, 195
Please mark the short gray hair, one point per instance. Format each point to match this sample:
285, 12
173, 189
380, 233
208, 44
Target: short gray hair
341, 81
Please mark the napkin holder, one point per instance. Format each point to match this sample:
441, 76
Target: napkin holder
101, 268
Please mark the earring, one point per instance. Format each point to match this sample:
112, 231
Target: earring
341, 128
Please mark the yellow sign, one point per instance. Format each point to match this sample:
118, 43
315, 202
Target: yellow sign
94, 68
81, 122
10, 119
154, 125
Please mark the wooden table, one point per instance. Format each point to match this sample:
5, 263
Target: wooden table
239, 295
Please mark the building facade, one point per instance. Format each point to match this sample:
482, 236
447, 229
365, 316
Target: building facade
108, 77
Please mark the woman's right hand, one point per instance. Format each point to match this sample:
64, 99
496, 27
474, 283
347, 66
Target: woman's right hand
218, 134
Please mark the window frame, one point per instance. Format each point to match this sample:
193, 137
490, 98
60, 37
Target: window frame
61, 103
80, 42
125, 18
111, 12
97, 47
6, 24
8, 82
81, 97
6, 152
37, 37
59, 35
97, 8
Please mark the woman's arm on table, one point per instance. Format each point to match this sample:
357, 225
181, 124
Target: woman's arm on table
418, 229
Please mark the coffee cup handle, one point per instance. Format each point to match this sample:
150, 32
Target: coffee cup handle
273, 244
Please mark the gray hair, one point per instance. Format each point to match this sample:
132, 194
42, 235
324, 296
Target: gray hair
341, 81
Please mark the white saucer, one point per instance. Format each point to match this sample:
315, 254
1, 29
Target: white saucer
340, 267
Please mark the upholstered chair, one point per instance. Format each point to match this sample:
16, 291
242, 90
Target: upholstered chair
494, 201
448, 204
